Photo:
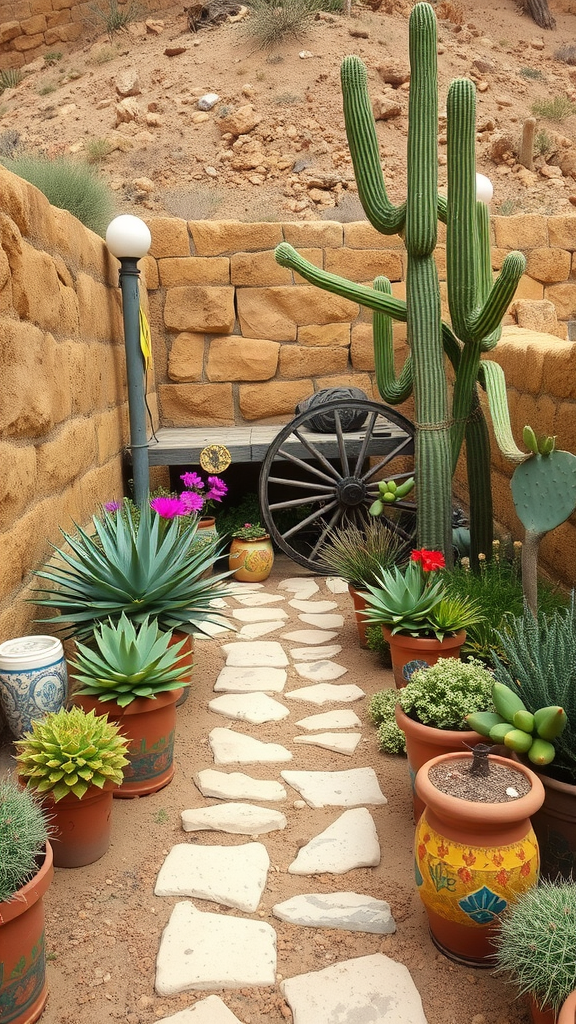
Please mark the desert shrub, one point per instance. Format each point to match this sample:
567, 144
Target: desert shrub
532, 73
114, 16
272, 21
53, 57
566, 53
69, 184
391, 739
542, 142
97, 150
556, 109
10, 78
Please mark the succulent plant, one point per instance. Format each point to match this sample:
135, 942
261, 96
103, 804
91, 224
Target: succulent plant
444, 693
359, 554
70, 750
129, 662
23, 834
391, 739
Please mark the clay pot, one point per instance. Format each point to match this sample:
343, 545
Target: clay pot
568, 1012
472, 860
149, 724
555, 828
82, 828
23, 989
360, 604
207, 525
251, 561
424, 742
566, 1015
188, 650
406, 649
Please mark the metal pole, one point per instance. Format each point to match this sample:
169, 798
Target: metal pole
135, 373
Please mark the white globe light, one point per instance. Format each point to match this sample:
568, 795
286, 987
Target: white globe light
128, 236
484, 189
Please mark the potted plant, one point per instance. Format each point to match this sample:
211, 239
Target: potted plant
26, 871
201, 496
135, 674
431, 711
251, 553
73, 760
535, 945
358, 555
475, 849
418, 619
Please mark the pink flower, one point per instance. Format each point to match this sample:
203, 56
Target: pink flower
168, 508
191, 501
112, 506
192, 480
217, 484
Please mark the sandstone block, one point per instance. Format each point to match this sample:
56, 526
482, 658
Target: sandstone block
150, 277
362, 347
242, 359
169, 237
198, 309
536, 316
565, 428
277, 399
111, 431
564, 298
558, 551
324, 334
548, 265
214, 238
35, 288
528, 288
259, 268
562, 232
364, 265
361, 235
17, 481
276, 312
186, 359
196, 405
9, 30
34, 394
522, 231
97, 486
240, 121
63, 34
31, 26
194, 270
24, 43
298, 361
93, 296
68, 454
324, 234
559, 370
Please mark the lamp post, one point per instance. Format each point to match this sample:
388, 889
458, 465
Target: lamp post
129, 239
484, 189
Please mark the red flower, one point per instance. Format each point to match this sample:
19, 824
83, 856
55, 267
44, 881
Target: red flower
430, 560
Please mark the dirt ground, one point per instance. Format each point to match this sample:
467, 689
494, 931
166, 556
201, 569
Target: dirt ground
104, 922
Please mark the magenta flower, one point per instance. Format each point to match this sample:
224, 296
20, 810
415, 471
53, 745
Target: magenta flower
192, 480
217, 489
168, 508
191, 501
112, 506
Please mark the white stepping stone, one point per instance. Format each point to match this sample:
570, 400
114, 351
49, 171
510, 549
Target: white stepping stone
339, 742
349, 842
321, 671
259, 614
237, 786
255, 654
255, 708
258, 600
230, 747
347, 910
206, 1011
250, 680
314, 653
204, 951
212, 629
219, 602
344, 719
309, 636
232, 875
351, 788
312, 606
243, 588
368, 988
238, 819
326, 693
323, 621
336, 585
251, 630
299, 585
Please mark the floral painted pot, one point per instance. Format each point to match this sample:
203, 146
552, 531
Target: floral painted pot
406, 649
33, 680
23, 989
251, 561
472, 859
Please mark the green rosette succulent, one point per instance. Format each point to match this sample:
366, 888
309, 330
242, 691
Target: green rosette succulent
129, 662
69, 751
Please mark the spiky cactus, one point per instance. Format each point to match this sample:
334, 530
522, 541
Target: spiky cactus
23, 835
476, 304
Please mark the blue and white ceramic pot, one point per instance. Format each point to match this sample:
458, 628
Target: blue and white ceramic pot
33, 680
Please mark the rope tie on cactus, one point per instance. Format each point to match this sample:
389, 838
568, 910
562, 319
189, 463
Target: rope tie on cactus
476, 414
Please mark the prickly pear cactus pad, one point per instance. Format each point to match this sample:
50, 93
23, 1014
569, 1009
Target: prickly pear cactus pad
544, 490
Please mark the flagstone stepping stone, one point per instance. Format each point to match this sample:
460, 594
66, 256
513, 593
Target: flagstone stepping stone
258, 599
312, 606
339, 742
238, 819
207, 1011
323, 621
243, 588
326, 693
255, 654
255, 708
259, 614
309, 636
321, 671
314, 653
349, 842
344, 719
347, 910
255, 629
300, 585
219, 602
230, 747
203, 951
248, 680
232, 875
212, 629
351, 788
336, 585
237, 786
367, 988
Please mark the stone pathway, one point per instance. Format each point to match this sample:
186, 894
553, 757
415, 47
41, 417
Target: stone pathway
202, 951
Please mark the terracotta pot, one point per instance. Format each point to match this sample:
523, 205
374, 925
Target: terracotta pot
546, 1016
251, 561
424, 742
555, 828
188, 650
360, 604
568, 1012
23, 989
149, 724
406, 649
472, 860
82, 828
208, 525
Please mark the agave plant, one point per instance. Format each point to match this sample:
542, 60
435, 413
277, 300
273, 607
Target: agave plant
69, 751
129, 662
143, 567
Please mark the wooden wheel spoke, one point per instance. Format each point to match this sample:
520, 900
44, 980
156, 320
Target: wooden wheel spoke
365, 443
303, 485
309, 519
318, 455
329, 526
387, 459
306, 465
341, 445
294, 502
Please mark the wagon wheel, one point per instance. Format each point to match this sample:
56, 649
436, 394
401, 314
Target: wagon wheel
332, 479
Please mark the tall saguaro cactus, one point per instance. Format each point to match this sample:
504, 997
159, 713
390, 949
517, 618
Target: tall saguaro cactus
476, 304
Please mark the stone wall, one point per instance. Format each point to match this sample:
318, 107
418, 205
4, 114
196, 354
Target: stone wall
63, 402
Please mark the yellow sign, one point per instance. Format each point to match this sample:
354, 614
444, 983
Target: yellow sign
145, 340
215, 458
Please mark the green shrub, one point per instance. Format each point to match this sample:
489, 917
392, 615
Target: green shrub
381, 707
23, 835
97, 150
556, 109
114, 16
532, 73
444, 693
10, 78
566, 53
69, 184
272, 21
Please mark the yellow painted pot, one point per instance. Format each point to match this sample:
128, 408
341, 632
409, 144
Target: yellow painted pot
251, 561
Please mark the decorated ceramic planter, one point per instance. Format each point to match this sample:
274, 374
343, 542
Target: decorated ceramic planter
251, 561
405, 650
33, 680
23, 989
472, 859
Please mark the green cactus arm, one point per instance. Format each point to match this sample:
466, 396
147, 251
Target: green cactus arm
478, 466
488, 318
393, 388
452, 347
485, 277
491, 377
422, 153
287, 256
462, 401
363, 143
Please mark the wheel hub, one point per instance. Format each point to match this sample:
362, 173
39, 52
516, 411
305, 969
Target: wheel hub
351, 492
